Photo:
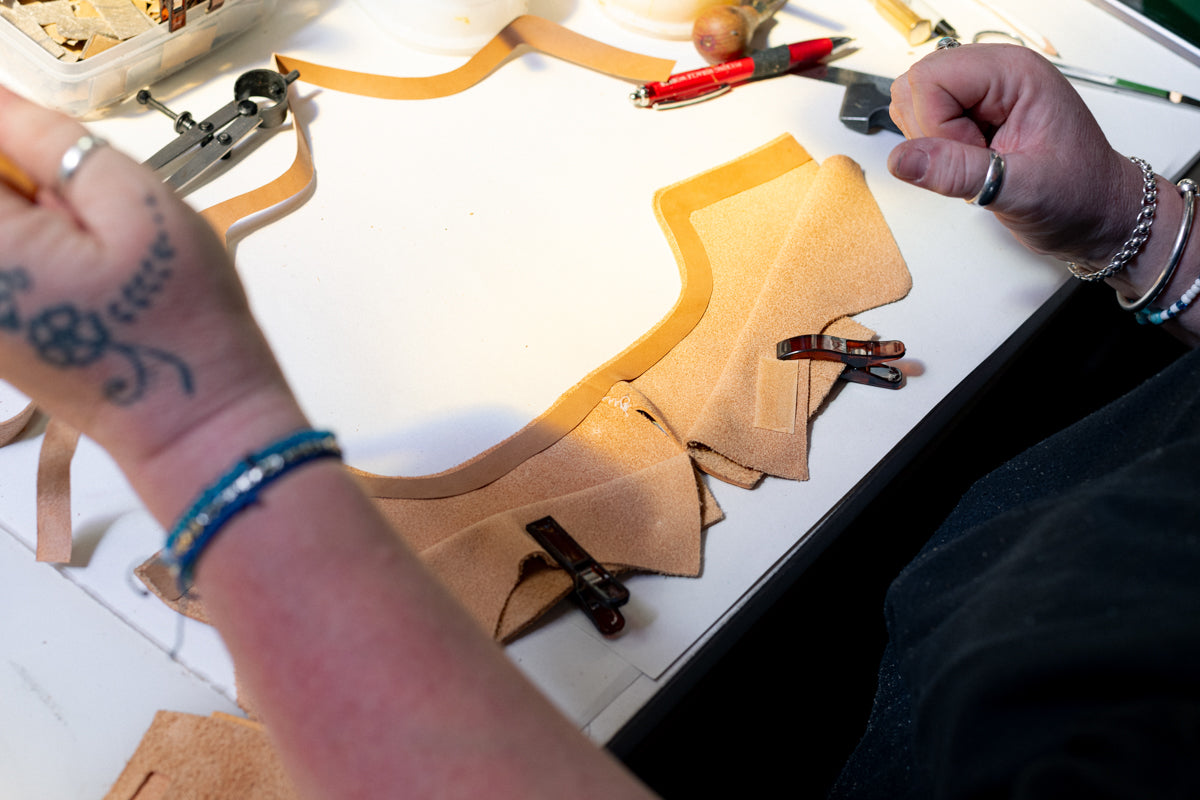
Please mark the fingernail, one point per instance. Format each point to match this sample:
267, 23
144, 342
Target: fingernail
908, 163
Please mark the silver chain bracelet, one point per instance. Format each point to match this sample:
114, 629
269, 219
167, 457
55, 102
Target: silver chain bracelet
1141, 231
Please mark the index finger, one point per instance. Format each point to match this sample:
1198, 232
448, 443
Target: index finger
940, 97
34, 140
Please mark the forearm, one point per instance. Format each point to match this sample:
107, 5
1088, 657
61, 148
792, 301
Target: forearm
368, 674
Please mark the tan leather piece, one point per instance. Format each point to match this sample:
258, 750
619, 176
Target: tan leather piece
708, 231
648, 520
474, 539
776, 395
298, 177
158, 579
736, 235
820, 377
839, 259
674, 207
189, 757
54, 492
778, 212
619, 483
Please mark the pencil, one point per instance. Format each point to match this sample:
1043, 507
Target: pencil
1026, 33
11, 175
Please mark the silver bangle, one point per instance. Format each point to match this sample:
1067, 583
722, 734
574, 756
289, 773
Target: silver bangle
1187, 188
1141, 230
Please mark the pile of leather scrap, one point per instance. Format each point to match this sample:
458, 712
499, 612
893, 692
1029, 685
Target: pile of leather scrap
72, 30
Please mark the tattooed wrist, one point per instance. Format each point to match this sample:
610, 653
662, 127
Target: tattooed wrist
70, 336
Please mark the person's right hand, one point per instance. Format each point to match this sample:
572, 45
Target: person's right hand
1066, 192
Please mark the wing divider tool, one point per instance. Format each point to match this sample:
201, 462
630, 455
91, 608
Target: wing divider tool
864, 360
199, 145
597, 591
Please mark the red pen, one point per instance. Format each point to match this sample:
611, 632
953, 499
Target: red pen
703, 84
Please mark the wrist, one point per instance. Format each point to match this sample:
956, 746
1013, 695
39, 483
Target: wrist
169, 478
236, 491
1130, 205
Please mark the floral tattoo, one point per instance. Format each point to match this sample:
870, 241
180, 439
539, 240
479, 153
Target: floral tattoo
68, 337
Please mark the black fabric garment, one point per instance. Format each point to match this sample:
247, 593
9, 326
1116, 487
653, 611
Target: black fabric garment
1046, 642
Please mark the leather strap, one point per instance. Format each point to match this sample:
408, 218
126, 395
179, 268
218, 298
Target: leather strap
524, 31
290, 184
54, 484
54, 492
11, 428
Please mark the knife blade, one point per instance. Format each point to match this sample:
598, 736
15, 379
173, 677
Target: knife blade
865, 104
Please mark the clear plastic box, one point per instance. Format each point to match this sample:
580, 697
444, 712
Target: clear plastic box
82, 87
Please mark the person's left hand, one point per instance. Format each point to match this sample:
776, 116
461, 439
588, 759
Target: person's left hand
120, 310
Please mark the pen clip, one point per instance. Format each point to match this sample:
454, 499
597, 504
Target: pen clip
691, 101
597, 591
864, 360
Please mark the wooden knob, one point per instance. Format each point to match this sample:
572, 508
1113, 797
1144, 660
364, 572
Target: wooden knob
723, 33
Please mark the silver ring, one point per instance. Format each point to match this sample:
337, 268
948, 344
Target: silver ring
947, 42
992, 181
76, 154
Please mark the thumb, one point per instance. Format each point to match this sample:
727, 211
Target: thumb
943, 166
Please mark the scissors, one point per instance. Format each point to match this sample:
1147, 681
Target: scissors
199, 145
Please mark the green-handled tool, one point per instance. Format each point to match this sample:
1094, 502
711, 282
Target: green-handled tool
1077, 73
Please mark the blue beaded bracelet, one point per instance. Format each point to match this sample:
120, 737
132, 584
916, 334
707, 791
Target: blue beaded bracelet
236, 490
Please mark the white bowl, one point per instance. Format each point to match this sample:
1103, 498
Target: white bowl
666, 19
444, 26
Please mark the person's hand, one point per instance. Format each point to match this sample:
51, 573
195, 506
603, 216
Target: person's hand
120, 311
1066, 192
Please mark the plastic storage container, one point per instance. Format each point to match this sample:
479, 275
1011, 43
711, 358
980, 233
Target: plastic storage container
84, 86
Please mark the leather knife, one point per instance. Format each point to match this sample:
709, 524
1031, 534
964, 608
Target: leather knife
865, 104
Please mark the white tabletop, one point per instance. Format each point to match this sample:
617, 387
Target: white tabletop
439, 289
